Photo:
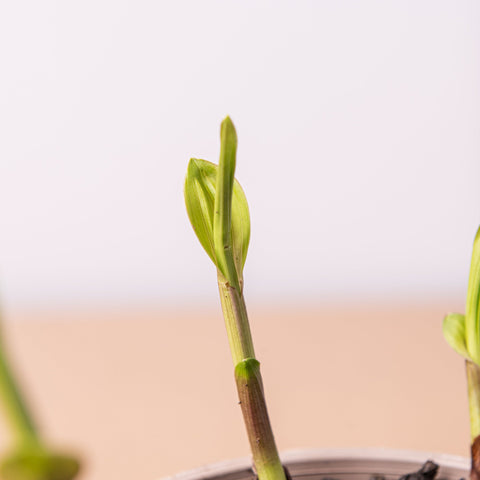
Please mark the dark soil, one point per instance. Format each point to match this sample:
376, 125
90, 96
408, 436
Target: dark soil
428, 471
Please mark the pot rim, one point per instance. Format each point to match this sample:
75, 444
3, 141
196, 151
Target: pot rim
350, 457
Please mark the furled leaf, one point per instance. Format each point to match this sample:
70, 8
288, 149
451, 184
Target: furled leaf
454, 333
231, 227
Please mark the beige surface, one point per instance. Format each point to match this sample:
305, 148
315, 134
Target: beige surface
146, 393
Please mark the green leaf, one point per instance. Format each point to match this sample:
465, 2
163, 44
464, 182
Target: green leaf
36, 463
240, 228
473, 304
200, 200
227, 242
454, 333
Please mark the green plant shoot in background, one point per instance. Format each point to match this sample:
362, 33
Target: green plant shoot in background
218, 212
462, 332
30, 458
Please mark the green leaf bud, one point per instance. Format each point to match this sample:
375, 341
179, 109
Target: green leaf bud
218, 208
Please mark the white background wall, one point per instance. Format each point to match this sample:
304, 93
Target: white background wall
359, 146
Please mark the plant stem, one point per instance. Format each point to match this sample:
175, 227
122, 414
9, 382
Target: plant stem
236, 321
249, 384
16, 410
473, 384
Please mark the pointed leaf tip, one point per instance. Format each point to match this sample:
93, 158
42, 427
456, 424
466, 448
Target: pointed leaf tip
227, 127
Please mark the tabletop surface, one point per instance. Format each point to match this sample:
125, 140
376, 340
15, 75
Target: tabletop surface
143, 393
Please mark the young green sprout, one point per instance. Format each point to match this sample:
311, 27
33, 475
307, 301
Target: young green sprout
30, 458
218, 212
462, 332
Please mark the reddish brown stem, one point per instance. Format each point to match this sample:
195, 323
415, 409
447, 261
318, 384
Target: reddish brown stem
475, 470
252, 401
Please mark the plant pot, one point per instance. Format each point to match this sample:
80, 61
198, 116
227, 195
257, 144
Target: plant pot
339, 464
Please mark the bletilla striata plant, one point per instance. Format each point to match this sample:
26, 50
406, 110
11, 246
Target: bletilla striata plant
462, 332
218, 212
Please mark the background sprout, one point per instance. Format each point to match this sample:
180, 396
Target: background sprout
462, 332
218, 212
30, 458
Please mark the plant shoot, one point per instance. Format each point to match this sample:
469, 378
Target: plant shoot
219, 215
